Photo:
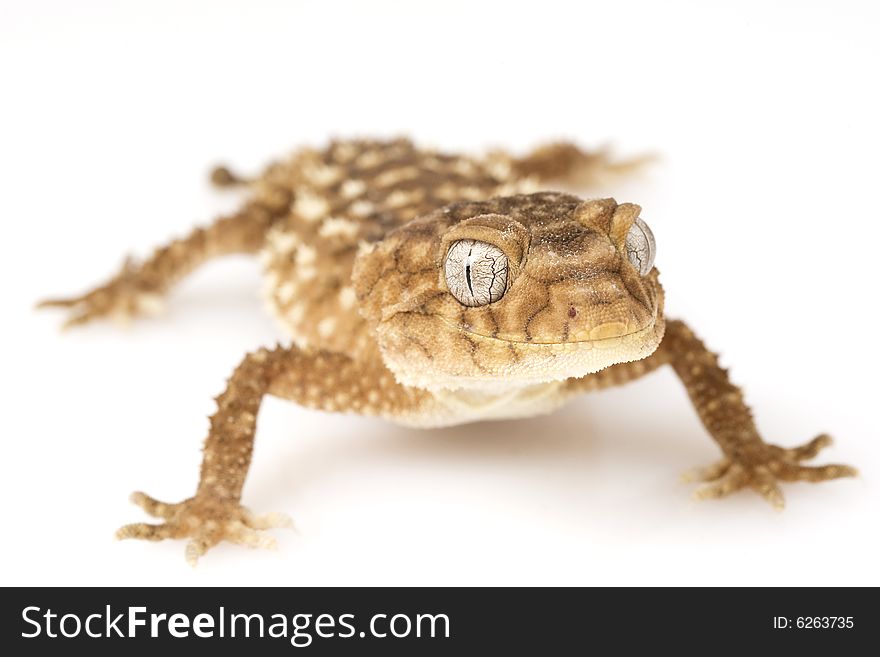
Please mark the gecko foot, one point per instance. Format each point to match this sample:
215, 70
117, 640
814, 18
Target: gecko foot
762, 467
206, 522
121, 299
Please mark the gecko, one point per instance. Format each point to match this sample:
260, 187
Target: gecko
433, 289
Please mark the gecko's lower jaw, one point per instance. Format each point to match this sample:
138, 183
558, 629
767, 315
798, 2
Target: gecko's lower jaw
600, 336
472, 360
605, 337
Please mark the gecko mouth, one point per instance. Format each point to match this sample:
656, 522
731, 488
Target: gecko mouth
603, 336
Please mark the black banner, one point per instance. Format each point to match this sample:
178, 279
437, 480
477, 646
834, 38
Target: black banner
438, 621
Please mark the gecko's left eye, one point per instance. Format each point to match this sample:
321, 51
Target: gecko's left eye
476, 272
640, 246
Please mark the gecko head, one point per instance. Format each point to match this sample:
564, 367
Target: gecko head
519, 290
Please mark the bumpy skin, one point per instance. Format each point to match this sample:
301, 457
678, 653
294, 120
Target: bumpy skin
354, 238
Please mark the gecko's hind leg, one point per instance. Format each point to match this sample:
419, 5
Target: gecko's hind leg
140, 286
223, 176
567, 164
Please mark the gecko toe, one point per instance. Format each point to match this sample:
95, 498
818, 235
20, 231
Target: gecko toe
708, 473
273, 520
816, 473
764, 483
809, 450
147, 531
732, 479
153, 506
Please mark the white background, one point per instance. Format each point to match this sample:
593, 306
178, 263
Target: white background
764, 207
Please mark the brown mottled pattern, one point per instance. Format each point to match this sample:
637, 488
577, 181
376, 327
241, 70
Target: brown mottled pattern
361, 191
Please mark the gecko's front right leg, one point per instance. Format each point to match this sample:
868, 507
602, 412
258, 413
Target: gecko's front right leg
315, 379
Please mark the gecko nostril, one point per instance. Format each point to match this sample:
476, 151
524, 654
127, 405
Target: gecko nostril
572, 312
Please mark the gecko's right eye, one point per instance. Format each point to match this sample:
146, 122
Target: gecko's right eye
476, 272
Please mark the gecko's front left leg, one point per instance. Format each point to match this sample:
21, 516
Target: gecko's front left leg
748, 461
316, 379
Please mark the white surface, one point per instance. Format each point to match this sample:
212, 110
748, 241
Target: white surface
764, 209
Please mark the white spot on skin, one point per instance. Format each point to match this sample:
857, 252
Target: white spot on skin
509, 189
335, 226
344, 152
362, 208
399, 198
347, 297
446, 191
326, 326
394, 176
364, 248
370, 159
283, 243
295, 313
498, 168
323, 175
266, 258
464, 167
529, 185
286, 291
306, 255
307, 273
310, 206
353, 188
150, 304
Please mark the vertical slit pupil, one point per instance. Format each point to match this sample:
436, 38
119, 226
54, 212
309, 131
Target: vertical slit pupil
467, 270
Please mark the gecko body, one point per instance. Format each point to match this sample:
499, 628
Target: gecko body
433, 289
